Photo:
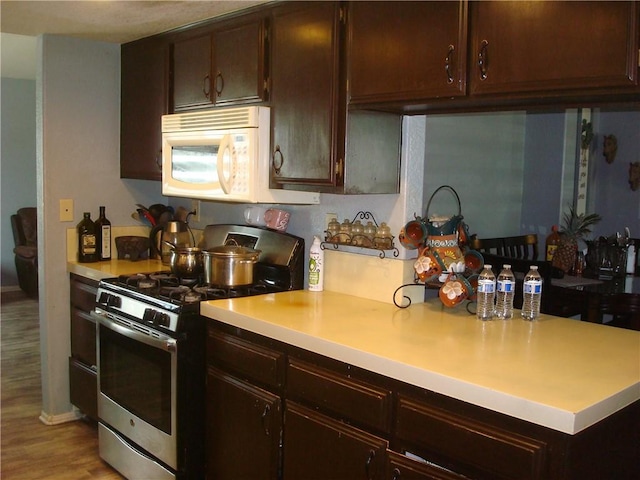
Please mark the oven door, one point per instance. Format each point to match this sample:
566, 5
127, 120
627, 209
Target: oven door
137, 371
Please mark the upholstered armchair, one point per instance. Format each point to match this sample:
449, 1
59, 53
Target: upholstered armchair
25, 236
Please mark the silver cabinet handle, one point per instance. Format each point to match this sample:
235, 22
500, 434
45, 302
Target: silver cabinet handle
447, 64
483, 59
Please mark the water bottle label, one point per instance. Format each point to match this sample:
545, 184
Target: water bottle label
533, 286
506, 286
486, 286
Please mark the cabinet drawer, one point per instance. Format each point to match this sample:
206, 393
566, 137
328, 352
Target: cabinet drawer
83, 337
468, 442
83, 293
401, 467
83, 388
247, 359
343, 396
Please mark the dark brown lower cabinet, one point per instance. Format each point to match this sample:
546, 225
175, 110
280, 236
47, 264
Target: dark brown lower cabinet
83, 374
317, 447
244, 428
278, 412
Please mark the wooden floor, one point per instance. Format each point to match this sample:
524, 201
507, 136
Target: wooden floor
30, 450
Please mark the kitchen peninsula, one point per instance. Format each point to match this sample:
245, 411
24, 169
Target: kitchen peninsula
554, 398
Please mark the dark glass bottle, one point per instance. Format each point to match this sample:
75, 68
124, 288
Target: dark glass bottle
87, 251
103, 236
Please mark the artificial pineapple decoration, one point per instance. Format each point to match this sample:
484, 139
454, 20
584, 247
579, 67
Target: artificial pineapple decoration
575, 227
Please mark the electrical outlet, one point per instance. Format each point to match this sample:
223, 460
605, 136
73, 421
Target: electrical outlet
328, 217
66, 210
195, 207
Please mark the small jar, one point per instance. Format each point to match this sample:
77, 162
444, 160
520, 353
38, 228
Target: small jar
333, 230
370, 230
345, 232
357, 233
383, 236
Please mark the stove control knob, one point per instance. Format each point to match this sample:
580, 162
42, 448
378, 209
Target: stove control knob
109, 300
103, 298
163, 320
114, 301
149, 315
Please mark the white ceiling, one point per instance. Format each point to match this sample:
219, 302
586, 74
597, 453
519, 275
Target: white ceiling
116, 21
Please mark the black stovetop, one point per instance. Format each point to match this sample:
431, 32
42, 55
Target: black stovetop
166, 287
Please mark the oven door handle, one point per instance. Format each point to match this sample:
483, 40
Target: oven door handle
162, 342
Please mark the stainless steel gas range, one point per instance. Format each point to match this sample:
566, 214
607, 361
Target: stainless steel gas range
151, 355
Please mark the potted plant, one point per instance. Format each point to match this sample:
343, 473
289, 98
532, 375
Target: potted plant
574, 228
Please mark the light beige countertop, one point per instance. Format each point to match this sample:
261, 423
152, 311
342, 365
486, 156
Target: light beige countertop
560, 373
114, 268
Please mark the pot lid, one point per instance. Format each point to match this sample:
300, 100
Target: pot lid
233, 251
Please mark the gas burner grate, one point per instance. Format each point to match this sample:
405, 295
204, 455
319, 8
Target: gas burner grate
139, 281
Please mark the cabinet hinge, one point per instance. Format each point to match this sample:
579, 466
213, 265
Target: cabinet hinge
343, 15
339, 167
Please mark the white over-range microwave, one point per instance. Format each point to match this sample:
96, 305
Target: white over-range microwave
224, 155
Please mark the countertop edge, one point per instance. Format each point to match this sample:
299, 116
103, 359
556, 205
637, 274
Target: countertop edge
114, 268
521, 408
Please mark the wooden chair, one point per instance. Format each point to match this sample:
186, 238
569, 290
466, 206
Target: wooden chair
625, 309
493, 246
522, 246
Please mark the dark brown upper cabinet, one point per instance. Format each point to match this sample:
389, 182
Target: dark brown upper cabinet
240, 62
559, 46
144, 99
192, 79
307, 97
315, 145
224, 63
399, 51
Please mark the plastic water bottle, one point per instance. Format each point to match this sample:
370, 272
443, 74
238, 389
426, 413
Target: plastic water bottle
486, 294
531, 294
505, 292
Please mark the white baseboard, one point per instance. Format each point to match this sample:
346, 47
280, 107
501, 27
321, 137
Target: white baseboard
71, 416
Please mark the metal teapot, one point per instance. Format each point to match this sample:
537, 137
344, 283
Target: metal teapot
174, 233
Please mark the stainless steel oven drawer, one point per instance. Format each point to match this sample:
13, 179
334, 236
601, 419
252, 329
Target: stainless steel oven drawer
128, 461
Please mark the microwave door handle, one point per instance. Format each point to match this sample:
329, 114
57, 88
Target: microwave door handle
225, 143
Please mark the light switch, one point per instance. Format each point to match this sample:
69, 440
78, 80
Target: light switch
66, 210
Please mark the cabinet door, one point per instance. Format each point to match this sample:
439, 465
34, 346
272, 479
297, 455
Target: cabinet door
239, 63
406, 51
144, 99
307, 103
317, 447
192, 82
244, 426
526, 46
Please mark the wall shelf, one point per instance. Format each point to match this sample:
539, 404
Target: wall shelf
382, 244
